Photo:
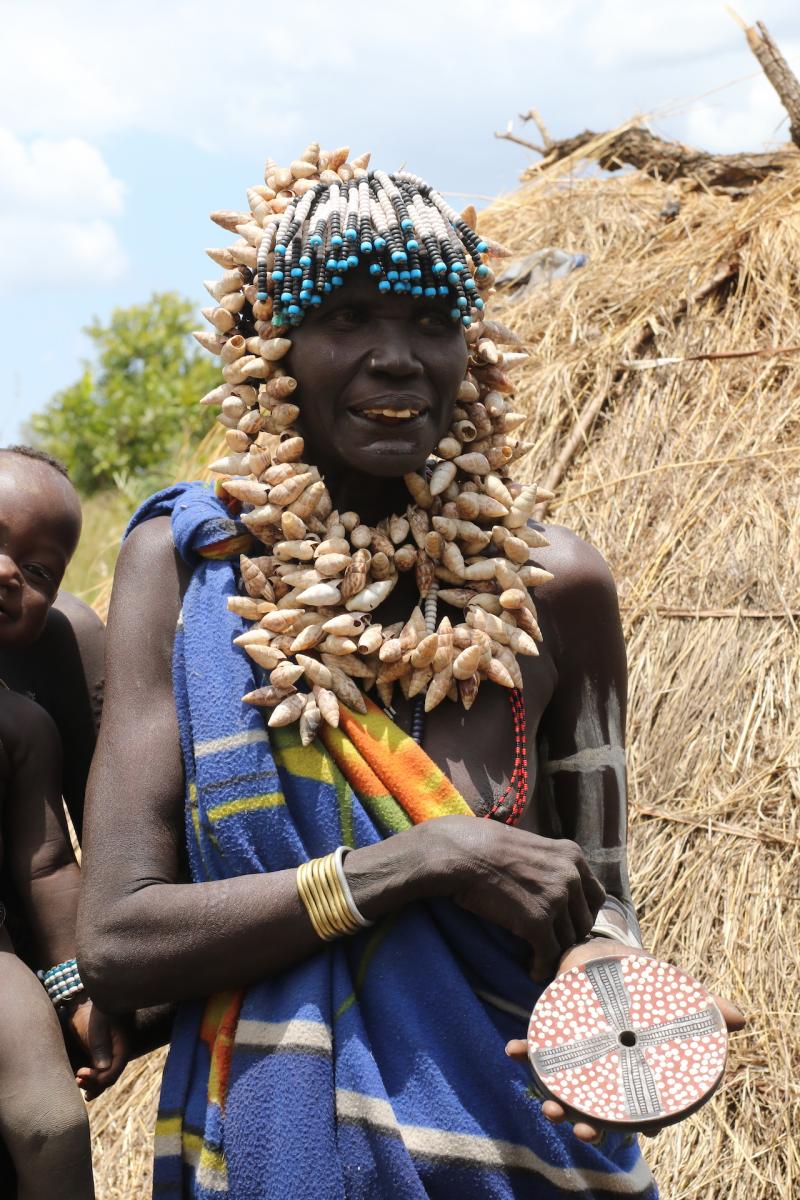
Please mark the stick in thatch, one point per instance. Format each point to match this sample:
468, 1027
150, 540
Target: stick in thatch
776, 69
635, 146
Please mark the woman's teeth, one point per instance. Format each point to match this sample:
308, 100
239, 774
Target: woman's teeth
391, 414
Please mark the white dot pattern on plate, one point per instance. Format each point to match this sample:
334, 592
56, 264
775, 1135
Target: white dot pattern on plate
627, 1039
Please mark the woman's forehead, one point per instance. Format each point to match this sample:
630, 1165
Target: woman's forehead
359, 287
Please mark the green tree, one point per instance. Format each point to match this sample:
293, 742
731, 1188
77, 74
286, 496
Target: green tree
122, 423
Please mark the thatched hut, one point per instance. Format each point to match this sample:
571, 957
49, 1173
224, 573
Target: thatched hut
664, 393
663, 387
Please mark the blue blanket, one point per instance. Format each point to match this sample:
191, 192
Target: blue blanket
375, 1068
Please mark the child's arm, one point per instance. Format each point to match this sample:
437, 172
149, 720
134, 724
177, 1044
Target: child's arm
44, 869
38, 849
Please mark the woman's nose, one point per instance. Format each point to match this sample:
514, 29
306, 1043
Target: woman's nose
394, 355
9, 573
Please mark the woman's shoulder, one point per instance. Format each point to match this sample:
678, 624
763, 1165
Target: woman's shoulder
151, 538
579, 605
574, 562
149, 580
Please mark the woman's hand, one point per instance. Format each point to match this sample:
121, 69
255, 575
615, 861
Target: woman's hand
538, 888
103, 1041
604, 948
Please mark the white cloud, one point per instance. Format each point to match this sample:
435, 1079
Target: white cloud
222, 76
627, 33
754, 121
229, 79
69, 178
58, 254
55, 201
226, 77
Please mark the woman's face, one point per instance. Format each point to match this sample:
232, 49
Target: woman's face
377, 377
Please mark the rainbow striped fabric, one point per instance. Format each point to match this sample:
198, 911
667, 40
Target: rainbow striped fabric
375, 1068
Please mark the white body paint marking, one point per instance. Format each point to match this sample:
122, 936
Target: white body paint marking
592, 758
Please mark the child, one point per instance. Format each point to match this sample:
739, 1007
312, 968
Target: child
42, 1116
69, 634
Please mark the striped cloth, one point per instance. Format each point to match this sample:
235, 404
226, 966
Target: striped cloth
375, 1068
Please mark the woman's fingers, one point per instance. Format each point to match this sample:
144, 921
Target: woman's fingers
565, 932
592, 888
586, 1132
581, 914
734, 1017
583, 1130
517, 1048
546, 953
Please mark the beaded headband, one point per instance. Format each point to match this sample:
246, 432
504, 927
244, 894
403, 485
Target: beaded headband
415, 243
315, 592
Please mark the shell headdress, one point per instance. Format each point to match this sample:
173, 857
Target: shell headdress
313, 593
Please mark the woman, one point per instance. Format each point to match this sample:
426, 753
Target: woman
354, 1041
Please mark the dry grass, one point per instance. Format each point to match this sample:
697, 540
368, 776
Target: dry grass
688, 483
105, 515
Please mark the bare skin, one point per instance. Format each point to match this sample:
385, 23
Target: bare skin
73, 638
51, 645
51, 648
145, 934
42, 1117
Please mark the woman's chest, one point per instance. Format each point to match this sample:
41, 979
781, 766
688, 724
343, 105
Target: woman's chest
489, 752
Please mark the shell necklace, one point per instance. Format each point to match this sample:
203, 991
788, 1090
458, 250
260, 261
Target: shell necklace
314, 594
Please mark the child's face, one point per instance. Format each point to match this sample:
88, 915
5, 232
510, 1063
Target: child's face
40, 522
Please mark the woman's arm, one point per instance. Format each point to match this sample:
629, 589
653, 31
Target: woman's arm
582, 734
147, 937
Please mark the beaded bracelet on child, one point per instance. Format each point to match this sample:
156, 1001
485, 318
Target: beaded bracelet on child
326, 896
62, 981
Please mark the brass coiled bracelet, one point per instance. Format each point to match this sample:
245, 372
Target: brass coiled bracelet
326, 896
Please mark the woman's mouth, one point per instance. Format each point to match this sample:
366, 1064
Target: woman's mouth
389, 416
394, 411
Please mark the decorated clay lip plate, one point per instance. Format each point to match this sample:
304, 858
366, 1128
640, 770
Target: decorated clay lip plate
627, 1042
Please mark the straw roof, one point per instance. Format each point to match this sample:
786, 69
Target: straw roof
681, 463
689, 482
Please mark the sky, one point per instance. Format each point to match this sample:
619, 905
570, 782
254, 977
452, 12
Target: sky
123, 125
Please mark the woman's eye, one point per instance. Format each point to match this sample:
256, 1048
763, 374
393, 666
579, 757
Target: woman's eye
39, 572
435, 321
347, 316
